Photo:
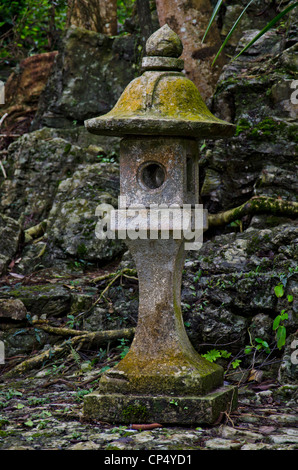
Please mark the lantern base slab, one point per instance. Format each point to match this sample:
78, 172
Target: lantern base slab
171, 410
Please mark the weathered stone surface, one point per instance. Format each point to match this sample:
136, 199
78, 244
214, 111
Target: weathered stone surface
288, 370
161, 358
260, 158
105, 63
22, 341
228, 286
72, 219
162, 63
165, 43
160, 103
10, 237
160, 333
166, 409
12, 309
35, 164
41, 300
254, 17
223, 444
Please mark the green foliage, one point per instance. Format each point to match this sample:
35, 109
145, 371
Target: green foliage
214, 13
260, 344
280, 329
236, 363
10, 10
81, 393
279, 290
231, 31
123, 346
214, 354
268, 26
124, 9
278, 323
31, 26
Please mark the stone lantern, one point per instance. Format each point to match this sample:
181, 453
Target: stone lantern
160, 117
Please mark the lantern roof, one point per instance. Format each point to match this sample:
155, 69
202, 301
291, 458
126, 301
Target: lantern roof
162, 101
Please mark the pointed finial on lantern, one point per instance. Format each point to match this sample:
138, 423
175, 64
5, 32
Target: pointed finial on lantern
163, 49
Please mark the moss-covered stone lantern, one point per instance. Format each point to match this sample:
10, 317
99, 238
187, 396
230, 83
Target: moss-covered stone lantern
160, 116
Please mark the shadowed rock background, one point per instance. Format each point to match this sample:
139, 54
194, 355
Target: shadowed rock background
55, 175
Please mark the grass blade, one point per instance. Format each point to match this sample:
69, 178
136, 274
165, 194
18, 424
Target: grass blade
214, 13
231, 31
267, 27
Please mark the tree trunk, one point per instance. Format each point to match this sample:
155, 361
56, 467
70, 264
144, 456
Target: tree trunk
94, 15
145, 19
189, 19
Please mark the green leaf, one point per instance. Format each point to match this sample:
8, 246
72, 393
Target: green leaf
276, 322
212, 355
236, 363
279, 290
258, 340
284, 315
281, 336
214, 13
247, 349
20, 406
231, 31
290, 298
29, 423
267, 27
225, 354
262, 342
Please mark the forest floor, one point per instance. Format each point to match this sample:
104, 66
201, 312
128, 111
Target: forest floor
42, 407
44, 411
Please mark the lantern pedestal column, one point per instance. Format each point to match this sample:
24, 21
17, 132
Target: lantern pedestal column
162, 378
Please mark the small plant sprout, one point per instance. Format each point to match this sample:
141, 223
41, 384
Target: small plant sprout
280, 329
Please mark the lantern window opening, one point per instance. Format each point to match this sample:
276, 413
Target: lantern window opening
152, 175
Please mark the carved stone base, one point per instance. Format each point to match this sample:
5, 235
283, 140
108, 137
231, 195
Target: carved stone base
170, 409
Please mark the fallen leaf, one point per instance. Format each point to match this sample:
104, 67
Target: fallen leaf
255, 375
17, 276
267, 429
29, 423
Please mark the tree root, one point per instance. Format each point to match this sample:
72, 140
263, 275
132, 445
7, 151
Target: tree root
127, 272
81, 338
255, 205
